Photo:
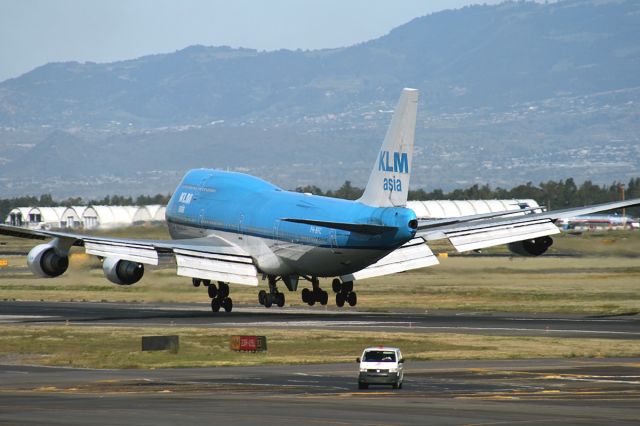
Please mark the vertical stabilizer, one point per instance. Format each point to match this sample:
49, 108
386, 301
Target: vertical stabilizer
389, 181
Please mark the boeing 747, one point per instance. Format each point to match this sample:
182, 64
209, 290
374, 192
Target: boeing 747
232, 228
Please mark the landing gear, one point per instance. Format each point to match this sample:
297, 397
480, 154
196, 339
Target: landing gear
316, 294
219, 295
344, 293
273, 296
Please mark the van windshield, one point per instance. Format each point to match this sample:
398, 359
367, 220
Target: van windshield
379, 356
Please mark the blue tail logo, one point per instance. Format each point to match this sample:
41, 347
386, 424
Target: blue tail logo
400, 162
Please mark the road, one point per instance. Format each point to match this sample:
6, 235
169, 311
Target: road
576, 391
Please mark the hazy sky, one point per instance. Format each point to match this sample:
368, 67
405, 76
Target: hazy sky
34, 32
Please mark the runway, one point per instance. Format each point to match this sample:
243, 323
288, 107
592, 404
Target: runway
445, 392
199, 315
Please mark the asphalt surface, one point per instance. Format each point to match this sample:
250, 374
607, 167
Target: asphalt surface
594, 392
575, 391
199, 315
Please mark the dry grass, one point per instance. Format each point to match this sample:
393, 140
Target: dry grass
592, 284
85, 347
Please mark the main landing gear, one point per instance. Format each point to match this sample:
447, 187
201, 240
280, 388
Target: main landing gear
317, 294
219, 295
273, 297
344, 293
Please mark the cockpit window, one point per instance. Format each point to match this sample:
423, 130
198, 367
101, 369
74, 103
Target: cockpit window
380, 356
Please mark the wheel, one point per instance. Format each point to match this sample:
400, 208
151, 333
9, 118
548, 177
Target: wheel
227, 304
279, 299
212, 290
311, 301
195, 282
215, 305
347, 286
324, 297
340, 300
223, 289
363, 386
268, 300
206, 283
262, 297
305, 295
352, 299
336, 285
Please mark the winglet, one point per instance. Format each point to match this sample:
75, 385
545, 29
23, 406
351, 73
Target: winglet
389, 180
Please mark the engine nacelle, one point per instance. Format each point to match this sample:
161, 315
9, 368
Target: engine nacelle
533, 247
45, 262
122, 272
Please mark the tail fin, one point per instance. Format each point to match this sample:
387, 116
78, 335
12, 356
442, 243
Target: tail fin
389, 180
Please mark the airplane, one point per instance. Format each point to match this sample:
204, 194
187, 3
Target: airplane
229, 227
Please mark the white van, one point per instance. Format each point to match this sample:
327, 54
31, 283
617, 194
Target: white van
380, 365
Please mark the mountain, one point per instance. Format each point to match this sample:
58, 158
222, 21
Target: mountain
519, 80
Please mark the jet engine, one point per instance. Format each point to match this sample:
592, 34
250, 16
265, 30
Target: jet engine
122, 272
533, 247
45, 262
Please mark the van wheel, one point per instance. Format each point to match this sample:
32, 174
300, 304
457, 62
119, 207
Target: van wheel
363, 386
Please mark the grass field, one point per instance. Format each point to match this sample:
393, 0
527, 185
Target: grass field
600, 276
85, 347
590, 274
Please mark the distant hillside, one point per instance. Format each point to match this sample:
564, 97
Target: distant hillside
489, 56
512, 93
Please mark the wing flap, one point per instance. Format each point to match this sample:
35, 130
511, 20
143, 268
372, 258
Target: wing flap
146, 254
474, 239
412, 255
236, 269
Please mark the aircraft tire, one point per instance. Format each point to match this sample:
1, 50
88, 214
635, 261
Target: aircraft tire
352, 299
280, 299
324, 297
227, 304
336, 285
268, 300
262, 297
206, 283
195, 282
306, 293
223, 290
212, 290
215, 305
339, 300
347, 286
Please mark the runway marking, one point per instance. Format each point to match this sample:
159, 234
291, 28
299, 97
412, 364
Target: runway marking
14, 318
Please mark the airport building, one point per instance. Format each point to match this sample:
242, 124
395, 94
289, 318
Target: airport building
438, 209
87, 217
106, 217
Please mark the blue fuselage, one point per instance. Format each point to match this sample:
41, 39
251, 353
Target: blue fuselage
246, 211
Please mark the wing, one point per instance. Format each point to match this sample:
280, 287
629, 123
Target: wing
473, 232
206, 258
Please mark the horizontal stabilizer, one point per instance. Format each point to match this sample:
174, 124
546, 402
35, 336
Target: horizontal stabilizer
363, 228
412, 255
